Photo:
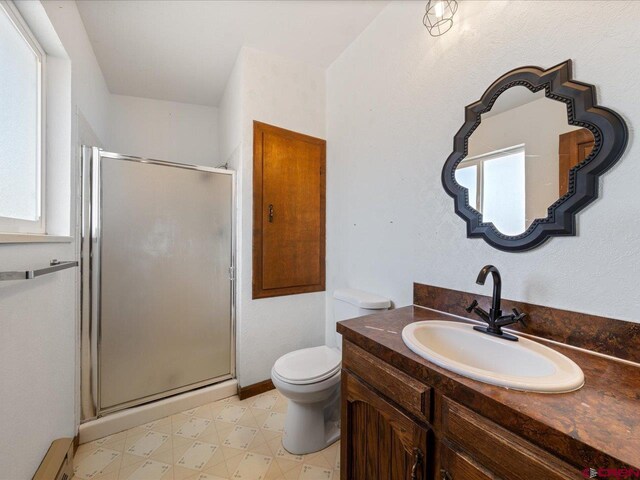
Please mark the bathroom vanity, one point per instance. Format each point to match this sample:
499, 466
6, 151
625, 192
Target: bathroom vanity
406, 418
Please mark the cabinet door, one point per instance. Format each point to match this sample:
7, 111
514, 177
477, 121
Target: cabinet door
379, 442
454, 465
288, 212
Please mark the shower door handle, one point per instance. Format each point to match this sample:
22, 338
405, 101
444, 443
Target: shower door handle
270, 213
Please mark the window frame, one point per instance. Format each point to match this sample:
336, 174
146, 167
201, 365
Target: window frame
478, 162
9, 225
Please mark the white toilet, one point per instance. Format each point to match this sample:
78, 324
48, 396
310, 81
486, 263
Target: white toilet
310, 379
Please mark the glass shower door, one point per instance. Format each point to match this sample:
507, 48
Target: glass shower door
162, 264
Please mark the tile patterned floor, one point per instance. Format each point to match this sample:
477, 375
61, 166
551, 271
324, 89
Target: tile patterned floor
229, 439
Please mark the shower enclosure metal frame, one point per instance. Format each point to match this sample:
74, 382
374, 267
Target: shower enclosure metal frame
90, 249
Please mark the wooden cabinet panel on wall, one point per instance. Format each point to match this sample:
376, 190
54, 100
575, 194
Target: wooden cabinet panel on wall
378, 440
289, 182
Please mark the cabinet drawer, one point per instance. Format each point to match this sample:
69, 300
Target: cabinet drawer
407, 392
454, 465
498, 450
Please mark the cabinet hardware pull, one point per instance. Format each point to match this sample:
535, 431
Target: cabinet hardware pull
417, 453
444, 475
270, 213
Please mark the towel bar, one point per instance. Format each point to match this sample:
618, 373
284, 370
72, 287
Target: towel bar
54, 266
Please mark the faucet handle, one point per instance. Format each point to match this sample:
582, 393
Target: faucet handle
473, 305
519, 316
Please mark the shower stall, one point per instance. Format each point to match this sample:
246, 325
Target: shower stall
157, 279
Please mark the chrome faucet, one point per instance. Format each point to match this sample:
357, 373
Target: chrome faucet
494, 317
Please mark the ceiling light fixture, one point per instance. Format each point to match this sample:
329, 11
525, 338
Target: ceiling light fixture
438, 17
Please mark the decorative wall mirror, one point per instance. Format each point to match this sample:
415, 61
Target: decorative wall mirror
529, 155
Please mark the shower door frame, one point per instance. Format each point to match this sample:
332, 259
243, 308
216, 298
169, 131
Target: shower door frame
90, 248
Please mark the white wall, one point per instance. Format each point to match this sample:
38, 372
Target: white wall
38, 318
177, 132
90, 91
396, 97
230, 115
274, 90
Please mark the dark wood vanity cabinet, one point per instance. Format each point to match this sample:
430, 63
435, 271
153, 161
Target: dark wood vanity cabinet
395, 428
378, 439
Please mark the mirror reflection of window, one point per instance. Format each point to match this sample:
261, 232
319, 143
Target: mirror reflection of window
496, 184
512, 189
467, 176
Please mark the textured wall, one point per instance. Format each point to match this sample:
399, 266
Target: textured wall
177, 132
290, 95
396, 97
38, 318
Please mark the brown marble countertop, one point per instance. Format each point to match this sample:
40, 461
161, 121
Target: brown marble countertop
596, 426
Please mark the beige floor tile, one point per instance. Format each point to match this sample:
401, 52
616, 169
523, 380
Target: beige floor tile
217, 458
148, 443
240, 437
331, 453
294, 473
108, 476
231, 452
262, 450
163, 426
193, 427
163, 455
313, 472
197, 455
182, 473
180, 445
223, 429
280, 406
219, 470
253, 466
231, 413
88, 448
288, 465
210, 435
203, 411
178, 420
274, 472
233, 462
225, 440
270, 434
258, 440
128, 460
266, 401
260, 415
318, 460
206, 476
98, 462
274, 422
248, 419
147, 470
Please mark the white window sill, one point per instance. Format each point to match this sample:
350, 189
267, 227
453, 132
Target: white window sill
33, 238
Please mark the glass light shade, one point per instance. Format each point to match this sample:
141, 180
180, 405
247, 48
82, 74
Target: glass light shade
438, 17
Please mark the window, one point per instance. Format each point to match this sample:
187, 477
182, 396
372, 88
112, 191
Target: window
496, 184
21, 126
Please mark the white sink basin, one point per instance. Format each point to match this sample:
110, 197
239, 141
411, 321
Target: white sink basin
522, 365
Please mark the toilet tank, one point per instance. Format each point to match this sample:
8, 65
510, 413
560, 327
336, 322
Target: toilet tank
349, 303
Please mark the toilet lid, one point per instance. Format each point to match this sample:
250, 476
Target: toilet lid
308, 365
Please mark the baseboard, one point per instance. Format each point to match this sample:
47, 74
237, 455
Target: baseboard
255, 389
135, 416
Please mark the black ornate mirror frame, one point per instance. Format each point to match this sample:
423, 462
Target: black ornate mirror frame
609, 131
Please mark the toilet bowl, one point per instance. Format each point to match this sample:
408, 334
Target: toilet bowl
310, 380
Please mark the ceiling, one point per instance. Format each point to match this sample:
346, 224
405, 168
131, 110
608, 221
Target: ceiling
184, 51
